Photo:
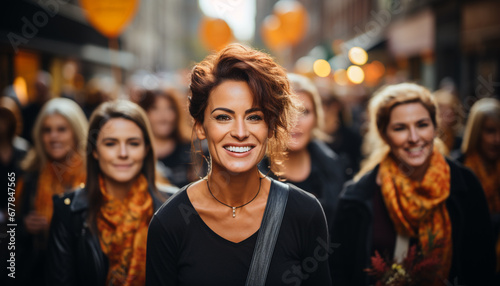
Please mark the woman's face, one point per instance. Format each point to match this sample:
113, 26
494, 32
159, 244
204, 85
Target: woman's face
163, 117
489, 143
410, 134
234, 127
302, 132
120, 150
58, 139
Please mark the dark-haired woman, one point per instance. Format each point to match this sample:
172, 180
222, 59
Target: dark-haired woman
208, 233
172, 147
98, 233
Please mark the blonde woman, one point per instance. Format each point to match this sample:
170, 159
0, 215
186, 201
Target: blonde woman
481, 153
409, 194
54, 166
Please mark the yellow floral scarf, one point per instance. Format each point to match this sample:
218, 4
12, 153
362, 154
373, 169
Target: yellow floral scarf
418, 209
490, 181
56, 179
123, 229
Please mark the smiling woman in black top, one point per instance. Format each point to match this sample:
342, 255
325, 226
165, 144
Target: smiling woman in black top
206, 234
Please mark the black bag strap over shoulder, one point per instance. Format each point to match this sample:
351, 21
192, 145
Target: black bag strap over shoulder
268, 234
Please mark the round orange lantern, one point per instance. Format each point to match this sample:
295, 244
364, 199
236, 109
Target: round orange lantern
109, 17
272, 33
215, 33
294, 19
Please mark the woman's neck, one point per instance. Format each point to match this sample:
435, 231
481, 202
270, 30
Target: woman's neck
298, 165
118, 190
164, 146
234, 189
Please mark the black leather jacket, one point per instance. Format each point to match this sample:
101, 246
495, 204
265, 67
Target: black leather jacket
473, 259
74, 252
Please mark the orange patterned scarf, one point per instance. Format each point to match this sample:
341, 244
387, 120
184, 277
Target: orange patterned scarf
418, 209
56, 179
123, 229
490, 181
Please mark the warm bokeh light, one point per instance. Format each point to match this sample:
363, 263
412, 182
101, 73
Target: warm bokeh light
322, 68
373, 73
294, 19
304, 65
21, 89
358, 56
272, 33
215, 33
340, 77
355, 74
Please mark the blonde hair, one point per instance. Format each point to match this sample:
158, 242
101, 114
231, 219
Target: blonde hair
301, 84
482, 109
37, 157
379, 111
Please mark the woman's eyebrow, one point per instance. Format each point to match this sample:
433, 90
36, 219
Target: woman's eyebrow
223, 109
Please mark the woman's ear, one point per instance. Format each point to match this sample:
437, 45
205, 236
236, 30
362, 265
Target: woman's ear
200, 131
96, 156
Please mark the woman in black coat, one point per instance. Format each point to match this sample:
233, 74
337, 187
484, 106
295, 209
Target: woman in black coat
98, 233
408, 194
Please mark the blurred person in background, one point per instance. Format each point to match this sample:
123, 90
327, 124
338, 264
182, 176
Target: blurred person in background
98, 233
208, 232
13, 148
54, 166
30, 112
170, 135
481, 153
310, 164
98, 89
408, 195
450, 115
345, 142
10, 158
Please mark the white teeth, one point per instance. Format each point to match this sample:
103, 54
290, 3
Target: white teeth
238, 149
417, 149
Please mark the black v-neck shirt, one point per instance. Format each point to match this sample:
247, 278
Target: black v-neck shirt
183, 250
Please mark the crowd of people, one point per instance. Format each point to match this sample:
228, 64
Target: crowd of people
265, 185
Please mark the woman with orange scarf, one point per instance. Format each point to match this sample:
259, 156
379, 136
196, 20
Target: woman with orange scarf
53, 166
481, 153
98, 233
408, 194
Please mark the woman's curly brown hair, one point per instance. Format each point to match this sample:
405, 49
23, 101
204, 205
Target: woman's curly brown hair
267, 81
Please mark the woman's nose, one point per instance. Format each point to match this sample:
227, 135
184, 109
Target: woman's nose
123, 151
240, 130
413, 135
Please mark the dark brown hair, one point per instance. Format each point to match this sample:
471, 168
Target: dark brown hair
267, 81
148, 100
103, 113
8, 120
